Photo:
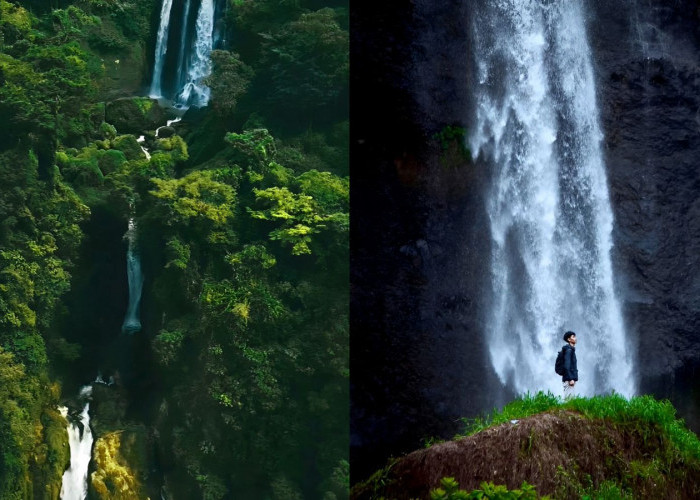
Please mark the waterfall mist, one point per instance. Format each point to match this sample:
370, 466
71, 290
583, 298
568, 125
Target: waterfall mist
537, 125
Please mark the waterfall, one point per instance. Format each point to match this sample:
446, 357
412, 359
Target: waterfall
194, 91
537, 127
74, 485
181, 73
161, 48
133, 269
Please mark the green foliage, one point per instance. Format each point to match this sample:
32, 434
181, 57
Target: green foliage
297, 213
83, 168
607, 490
614, 408
176, 146
330, 192
18, 406
453, 142
45, 78
167, 346
16, 17
229, 80
449, 134
128, 145
450, 491
251, 338
252, 150
111, 161
195, 196
178, 253
519, 408
307, 60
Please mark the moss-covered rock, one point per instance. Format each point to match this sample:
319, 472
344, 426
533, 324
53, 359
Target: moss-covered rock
128, 145
120, 459
51, 456
81, 168
111, 160
175, 145
135, 114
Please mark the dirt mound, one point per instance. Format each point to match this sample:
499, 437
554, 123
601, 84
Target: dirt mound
559, 452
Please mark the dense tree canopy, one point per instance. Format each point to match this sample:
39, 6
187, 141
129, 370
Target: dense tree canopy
242, 216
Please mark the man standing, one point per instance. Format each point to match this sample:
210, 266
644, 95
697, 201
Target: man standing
570, 376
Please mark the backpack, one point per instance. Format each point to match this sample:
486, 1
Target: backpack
559, 363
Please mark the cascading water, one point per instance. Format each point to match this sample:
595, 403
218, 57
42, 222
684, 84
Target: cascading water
537, 125
195, 92
161, 49
132, 324
74, 485
182, 61
184, 75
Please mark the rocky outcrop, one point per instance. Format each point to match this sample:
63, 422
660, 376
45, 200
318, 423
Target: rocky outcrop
559, 452
124, 72
134, 115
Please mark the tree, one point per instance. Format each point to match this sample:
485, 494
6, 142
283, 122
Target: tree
229, 80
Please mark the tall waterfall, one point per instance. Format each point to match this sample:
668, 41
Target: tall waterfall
132, 324
161, 48
195, 92
182, 61
537, 126
74, 485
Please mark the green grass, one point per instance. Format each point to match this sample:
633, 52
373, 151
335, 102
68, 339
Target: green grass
614, 408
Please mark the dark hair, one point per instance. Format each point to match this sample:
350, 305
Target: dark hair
567, 335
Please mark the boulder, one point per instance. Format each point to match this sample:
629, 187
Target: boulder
164, 132
134, 115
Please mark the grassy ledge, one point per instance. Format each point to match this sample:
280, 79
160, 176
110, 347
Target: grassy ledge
540, 445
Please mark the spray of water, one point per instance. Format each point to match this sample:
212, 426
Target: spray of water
537, 125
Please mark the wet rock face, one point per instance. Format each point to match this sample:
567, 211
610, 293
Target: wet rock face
647, 61
417, 355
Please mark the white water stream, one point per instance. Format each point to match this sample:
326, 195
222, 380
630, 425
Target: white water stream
537, 127
74, 485
141, 140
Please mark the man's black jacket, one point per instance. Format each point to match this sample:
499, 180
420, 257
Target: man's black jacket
570, 368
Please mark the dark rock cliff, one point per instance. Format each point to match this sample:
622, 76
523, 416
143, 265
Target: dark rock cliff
648, 74
417, 235
420, 238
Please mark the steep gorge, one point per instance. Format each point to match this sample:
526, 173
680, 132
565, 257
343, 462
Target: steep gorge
235, 357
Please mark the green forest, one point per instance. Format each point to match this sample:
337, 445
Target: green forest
237, 384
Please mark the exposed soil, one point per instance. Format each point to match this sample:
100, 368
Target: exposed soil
559, 453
